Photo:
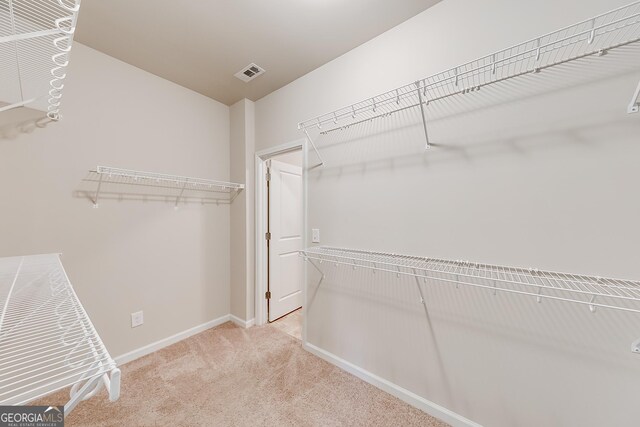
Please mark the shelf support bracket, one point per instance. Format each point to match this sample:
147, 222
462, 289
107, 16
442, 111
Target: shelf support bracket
422, 300
236, 193
95, 201
635, 346
634, 106
89, 388
305, 258
181, 193
304, 129
316, 267
423, 113
113, 384
92, 386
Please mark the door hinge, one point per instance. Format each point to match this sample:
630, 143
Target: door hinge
267, 295
267, 235
268, 175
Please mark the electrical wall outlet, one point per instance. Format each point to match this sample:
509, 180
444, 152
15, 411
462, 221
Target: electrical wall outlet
137, 319
315, 235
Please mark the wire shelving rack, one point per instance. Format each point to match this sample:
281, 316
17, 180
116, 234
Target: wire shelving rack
594, 37
47, 341
589, 291
36, 37
175, 186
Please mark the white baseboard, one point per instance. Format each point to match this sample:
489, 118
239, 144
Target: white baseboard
242, 323
407, 396
155, 346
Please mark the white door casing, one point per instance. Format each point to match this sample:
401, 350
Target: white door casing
286, 217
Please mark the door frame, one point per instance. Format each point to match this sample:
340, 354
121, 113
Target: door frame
261, 226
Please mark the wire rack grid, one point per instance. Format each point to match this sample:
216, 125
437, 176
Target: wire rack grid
47, 341
594, 37
586, 290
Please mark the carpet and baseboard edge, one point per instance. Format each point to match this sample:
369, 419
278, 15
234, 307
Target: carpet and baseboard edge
242, 323
165, 342
403, 394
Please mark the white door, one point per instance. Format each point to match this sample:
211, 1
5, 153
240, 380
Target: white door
285, 226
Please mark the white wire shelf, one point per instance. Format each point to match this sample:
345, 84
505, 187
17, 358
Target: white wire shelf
594, 37
47, 341
590, 291
35, 44
178, 187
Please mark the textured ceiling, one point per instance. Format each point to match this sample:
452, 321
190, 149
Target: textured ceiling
200, 44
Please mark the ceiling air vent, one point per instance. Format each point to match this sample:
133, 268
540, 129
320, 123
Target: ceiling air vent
249, 72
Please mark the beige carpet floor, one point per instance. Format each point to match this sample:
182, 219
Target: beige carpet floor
290, 324
228, 376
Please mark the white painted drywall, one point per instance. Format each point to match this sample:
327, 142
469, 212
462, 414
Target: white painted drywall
238, 221
548, 181
127, 255
292, 158
242, 222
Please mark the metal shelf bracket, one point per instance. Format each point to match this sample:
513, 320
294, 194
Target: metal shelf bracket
634, 106
314, 147
181, 193
423, 114
90, 388
95, 201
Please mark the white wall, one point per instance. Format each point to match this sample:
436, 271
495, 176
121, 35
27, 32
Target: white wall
128, 255
242, 216
547, 180
292, 158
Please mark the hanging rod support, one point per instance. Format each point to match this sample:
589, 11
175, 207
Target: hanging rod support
180, 195
635, 346
423, 113
313, 264
235, 194
422, 300
314, 147
635, 101
95, 201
